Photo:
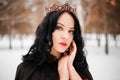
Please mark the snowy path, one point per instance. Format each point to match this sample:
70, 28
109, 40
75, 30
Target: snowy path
102, 67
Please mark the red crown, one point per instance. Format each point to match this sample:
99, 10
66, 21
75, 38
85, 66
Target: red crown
64, 7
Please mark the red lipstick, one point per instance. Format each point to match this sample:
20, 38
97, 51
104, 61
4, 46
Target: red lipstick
63, 44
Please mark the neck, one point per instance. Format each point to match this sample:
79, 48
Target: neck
56, 54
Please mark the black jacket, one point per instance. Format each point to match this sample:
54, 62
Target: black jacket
30, 71
48, 71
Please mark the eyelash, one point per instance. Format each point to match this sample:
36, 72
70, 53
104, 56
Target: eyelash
71, 31
60, 28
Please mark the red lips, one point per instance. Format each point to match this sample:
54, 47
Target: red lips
63, 43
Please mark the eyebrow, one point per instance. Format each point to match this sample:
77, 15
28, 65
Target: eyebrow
64, 25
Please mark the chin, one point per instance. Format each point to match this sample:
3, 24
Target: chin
61, 50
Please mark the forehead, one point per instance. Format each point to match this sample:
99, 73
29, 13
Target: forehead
66, 18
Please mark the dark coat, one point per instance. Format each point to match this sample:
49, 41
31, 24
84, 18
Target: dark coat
48, 71
28, 71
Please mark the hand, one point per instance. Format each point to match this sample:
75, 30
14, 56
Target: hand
73, 50
73, 75
65, 64
63, 69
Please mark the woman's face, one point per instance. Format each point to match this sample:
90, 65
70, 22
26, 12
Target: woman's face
63, 34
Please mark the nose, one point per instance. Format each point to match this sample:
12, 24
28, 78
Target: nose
65, 35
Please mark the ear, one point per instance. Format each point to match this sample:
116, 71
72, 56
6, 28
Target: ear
49, 43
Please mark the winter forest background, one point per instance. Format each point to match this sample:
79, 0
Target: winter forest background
100, 22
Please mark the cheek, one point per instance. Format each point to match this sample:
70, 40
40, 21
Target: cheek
71, 38
70, 41
55, 37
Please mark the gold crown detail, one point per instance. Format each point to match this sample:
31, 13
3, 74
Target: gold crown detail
64, 7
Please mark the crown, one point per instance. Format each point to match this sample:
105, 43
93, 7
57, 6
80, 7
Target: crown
64, 7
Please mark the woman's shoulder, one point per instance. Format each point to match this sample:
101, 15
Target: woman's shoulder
26, 65
24, 70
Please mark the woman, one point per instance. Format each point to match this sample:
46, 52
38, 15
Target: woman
57, 52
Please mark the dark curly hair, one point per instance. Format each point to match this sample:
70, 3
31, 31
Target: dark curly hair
40, 49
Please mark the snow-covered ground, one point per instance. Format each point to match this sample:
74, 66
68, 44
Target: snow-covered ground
102, 66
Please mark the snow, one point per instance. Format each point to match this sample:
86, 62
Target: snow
102, 66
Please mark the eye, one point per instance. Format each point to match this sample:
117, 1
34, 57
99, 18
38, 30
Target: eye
58, 28
71, 31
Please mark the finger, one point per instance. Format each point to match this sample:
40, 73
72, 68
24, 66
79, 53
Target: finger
73, 52
73, 47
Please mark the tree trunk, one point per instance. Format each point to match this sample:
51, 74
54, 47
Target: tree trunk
114, 36
10, 41
21, 40
106, 44
98, 39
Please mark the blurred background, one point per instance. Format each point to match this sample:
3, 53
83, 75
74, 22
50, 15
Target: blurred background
100, 23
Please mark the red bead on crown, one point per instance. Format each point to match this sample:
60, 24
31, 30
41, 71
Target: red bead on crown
64, 7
